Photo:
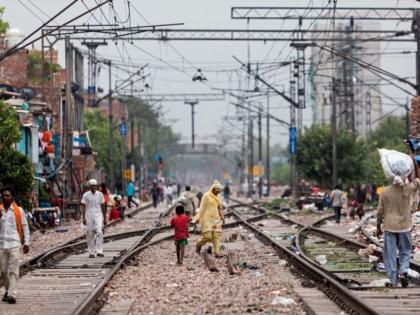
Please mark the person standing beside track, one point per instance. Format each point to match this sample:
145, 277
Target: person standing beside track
394, 210
131, 190
210, 218
14, 231
94, 218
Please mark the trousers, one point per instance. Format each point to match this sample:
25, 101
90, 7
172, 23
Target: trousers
94, 235
396, 245
211, 237
131, 200
9, 266
337, 212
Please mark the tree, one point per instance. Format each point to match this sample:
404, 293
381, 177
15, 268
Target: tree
4, 26
314, 159
389, 134
98, 135
9, 126
17, 170
18, 173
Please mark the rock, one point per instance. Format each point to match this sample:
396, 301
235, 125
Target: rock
283, 263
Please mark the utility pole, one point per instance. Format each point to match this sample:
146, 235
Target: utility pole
417, 32
68, 158
123, 146
260, 151
267, 140
334, 131
111, 131
92, 69
139, 148
250, 157
292, 92
192, 104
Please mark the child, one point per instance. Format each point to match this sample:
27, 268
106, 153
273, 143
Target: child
180, 223
119, 207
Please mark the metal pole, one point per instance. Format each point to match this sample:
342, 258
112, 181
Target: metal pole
111, 133
417, 30
139, 148
260, 150
250, 157
69, 122
407, 117
267, 161
334, 132
123, 151
192, 125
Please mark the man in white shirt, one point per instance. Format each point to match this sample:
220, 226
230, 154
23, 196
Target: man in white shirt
14, 231
168, 193
94, 218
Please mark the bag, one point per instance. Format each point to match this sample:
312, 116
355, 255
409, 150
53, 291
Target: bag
395, 163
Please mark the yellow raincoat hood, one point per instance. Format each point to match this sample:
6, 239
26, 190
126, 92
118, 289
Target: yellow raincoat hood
208, 216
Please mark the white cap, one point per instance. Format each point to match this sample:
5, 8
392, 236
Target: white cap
92, 182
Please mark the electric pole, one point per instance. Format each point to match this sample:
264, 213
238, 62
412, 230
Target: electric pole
260, 151
111, 131
68, 157
192, 104
250, 157
267, 140
334, 131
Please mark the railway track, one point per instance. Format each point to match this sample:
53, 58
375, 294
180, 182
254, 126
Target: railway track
64, 280
29, 264
69, 283
346, 279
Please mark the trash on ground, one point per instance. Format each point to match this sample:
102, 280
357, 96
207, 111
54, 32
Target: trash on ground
282, 300
321, 259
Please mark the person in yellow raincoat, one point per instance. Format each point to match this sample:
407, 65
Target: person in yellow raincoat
210, 218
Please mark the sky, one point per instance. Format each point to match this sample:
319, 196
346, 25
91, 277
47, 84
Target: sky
171, 65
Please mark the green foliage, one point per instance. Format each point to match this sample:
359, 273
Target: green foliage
17, 172
357, 158
99, 134
280, 173
35, 67
4, 26
315, 155
9, 126
389, 134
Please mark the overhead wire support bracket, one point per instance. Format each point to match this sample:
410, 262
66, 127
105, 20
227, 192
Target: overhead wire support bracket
257, 77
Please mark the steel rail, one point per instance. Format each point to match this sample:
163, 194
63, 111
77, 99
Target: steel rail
29, 264
92, 303
413, 264
337, 292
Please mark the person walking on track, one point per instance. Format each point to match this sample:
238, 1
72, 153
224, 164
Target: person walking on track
14, 232
337, 200
210, 218
394, 210
94, 218
130, 194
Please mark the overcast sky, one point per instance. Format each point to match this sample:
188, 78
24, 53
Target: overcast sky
214, 58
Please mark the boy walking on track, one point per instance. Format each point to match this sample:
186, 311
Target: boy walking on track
180, 223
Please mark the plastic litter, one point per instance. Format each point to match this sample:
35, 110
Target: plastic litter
380, 267
282, 263
378, 283
245, 265
395, 163
321, 259
413, 274
171, 285
282, 300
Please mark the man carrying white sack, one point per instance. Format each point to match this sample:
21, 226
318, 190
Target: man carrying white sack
394, 211
94, 218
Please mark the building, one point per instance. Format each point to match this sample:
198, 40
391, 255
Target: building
357, 89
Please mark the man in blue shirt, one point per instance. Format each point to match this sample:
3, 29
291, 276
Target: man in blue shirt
130, 194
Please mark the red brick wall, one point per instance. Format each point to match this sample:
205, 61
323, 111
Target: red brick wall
13, 69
